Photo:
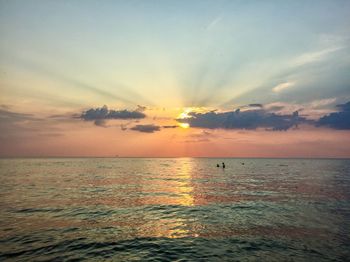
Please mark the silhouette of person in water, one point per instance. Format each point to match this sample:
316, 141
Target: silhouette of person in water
223, 165
217, 165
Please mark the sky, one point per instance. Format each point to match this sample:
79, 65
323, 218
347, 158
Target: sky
175, 78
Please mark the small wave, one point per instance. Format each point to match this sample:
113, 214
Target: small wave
165, 249
39, 210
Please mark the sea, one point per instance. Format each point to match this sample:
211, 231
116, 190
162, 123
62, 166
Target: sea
174, 209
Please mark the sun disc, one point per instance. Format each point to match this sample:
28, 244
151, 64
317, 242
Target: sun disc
184, 125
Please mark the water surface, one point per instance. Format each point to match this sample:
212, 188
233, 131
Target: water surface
179, 209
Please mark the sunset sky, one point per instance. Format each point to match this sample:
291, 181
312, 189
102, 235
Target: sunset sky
175, 78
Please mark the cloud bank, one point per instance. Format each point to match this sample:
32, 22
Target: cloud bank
250, 119
337, 120
100, 115
258, 116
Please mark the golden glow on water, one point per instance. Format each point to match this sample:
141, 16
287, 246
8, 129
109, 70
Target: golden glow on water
178, 227
186, 188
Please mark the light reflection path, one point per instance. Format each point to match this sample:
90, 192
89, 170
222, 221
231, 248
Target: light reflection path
186, 188
176, 190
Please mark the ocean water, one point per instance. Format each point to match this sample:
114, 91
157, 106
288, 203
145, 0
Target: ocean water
176, 209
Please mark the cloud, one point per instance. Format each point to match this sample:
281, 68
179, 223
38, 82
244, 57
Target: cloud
313, 109
100, 115
345, 107
203, 136
276, 108
282, 86
312, 57
322, 102
256, 105
149, 128
337, 120
17, 127
7, 116
146, 128
101, 122
250, 119
274, 116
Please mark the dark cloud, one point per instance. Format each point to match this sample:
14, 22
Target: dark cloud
170, 126
146, 128
100, 122
100, 115
250, 119
345, 107
337, 120
256, 105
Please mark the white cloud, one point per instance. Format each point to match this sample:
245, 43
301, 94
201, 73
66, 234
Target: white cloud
316, 56
282, 86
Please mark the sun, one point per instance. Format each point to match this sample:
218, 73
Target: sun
185, 113
184, 125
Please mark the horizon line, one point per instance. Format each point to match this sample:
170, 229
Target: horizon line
216, 157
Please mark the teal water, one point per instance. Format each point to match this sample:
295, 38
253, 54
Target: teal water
180, 209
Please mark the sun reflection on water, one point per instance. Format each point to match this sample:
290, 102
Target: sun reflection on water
185, 189
173, 225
